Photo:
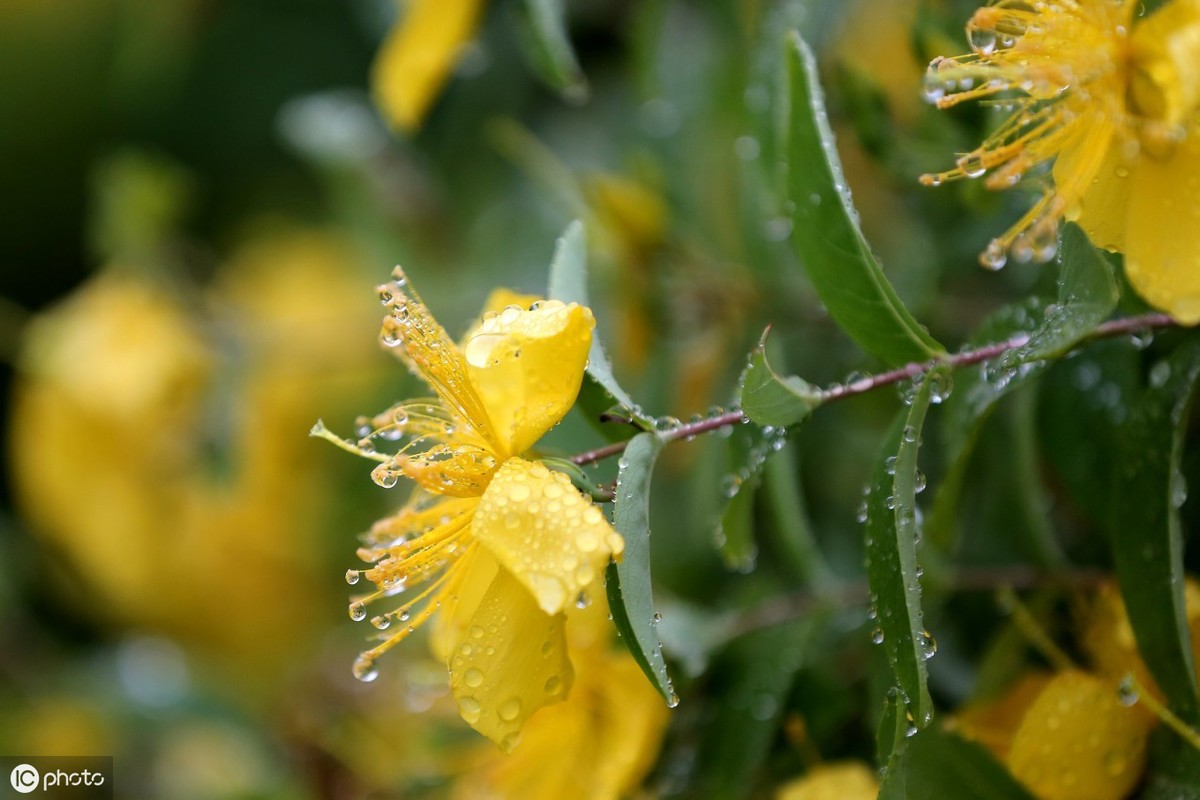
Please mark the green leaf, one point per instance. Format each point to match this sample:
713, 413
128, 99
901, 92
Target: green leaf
790, 537
1174, 771
547, 48
602, 413
1087, 295
735, 538
769, 399
891, 738
746, 452
1145, 530
568, 283
630, 595
940, 765
892, 558
826, 233
751, 680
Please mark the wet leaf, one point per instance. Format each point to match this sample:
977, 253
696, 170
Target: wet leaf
826, 233
630, 594
892, 558
1145, 528
942, 765
1087, 295
751, 680
568, 283
746, 452
891, 737
771, 399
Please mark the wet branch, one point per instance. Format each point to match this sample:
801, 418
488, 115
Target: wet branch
964, 358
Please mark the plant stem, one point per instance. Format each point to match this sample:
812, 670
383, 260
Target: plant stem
964, 358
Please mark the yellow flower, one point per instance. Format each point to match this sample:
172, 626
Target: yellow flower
501, 545
597, 745
144, 527
416, 59
1065, 737
1112, 101
845, 780
1078, 742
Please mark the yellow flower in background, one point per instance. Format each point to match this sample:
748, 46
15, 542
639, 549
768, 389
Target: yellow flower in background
1077, 741
1074, 735
154, 448
844, 780
418, 55
596, 745
502, 546
1066, 736
1106, 636
1112, 101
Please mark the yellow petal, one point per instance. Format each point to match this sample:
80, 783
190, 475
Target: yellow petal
1077, 742
543, 531
417, 57
415, 337
846, 780
629, 717
509, 661
479, 570
1162, 257
1102, 209
502, 298
994, 722
597, 745
1164, 81
527, 367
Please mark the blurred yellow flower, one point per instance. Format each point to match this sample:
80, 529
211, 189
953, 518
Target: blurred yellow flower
1113, 101
501, 545
1073, 735
844, 780
596, 745
155, 454
1066, 736
418, 55
1077, 741
1106, 636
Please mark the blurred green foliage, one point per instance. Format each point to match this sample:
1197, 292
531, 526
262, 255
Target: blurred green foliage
212, 149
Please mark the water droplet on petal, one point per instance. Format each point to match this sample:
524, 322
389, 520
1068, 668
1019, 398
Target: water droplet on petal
510, 709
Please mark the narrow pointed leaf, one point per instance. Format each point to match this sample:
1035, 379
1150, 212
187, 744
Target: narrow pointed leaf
891, 736
630, 595
771, 399
1145, 528
547, 47
826, 233
568, 283
892, 557
746, 452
